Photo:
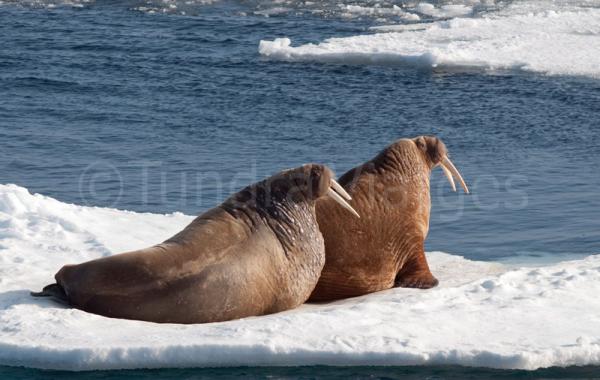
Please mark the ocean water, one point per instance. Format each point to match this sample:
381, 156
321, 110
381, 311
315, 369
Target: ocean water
305, 373
164, 106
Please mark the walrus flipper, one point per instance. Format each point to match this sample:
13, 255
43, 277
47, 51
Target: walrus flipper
416, 274
54, 291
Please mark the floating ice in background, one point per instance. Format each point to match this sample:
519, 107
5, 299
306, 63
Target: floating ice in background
181, 7
273, 11
450, 10
394, 10
482, 314
146, 6
380, 10
540, 36
48, 4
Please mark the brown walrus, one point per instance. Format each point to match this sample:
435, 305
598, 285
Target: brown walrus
259, 252
385, 247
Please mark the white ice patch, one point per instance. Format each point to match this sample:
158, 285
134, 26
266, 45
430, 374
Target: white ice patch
482, 314
444, 11
182, 7
352, 10
535, 36
275, 11
380, 10
49, 4
146, 6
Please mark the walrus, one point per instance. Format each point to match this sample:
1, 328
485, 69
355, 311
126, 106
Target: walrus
385, 247
257, 253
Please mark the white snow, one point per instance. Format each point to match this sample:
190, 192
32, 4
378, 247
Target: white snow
552, 37
482, 314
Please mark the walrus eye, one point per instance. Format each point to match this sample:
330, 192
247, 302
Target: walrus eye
450, 170
337, 192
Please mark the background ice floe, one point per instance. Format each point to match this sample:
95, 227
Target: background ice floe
553, 37
482, 314
382, 10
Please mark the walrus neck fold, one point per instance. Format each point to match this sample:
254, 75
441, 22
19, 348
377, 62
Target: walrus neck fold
290, 220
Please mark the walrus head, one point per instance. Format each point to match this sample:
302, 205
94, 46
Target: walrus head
436, 154
292, 188
311, 182
307, 183
408, 158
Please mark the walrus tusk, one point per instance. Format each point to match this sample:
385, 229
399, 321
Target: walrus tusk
340, 190
450, 166
338, 198
448, 174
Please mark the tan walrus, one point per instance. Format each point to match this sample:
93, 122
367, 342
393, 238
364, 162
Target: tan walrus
385, 247
259, 252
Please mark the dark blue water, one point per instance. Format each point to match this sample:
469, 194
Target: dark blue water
309, 373
111, 106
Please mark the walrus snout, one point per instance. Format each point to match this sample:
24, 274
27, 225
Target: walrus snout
437, 155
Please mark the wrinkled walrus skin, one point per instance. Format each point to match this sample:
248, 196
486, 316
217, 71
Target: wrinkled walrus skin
259, 252
385, 247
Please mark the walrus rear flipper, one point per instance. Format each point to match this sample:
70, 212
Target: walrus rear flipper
54, 291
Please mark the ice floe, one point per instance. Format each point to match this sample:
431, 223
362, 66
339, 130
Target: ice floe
550, 37
482, 314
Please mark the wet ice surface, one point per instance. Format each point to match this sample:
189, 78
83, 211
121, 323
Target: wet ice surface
483, 314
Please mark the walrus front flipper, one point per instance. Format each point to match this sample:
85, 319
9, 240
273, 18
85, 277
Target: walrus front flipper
54, 291
415, 274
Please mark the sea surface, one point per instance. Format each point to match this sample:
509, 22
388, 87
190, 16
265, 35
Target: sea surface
310, 373
164, 106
